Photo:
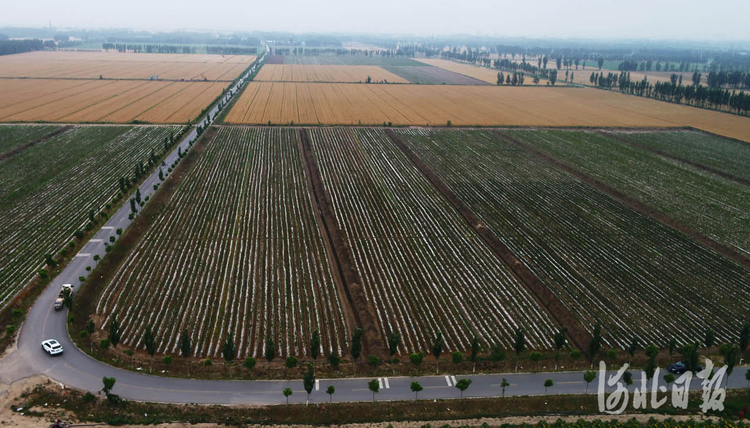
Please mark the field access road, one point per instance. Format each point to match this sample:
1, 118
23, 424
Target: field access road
76, 369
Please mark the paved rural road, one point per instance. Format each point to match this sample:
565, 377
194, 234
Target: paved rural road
76, 369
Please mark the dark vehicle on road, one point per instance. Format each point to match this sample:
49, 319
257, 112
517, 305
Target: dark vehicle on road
679, 368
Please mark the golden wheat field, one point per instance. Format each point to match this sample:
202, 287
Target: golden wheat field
28, 100
347, 104
325, 73
115, 65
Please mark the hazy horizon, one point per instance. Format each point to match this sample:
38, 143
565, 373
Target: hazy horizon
576, 19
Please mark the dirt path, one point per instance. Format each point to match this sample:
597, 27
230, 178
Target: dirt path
363, 310
338, 277
19, 149
11, 395
578, 334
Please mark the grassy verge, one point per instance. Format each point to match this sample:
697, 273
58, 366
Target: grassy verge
96, 410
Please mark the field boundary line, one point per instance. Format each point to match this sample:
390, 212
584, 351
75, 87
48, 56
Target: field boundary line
362, 309
554, 306
19, 149
668, 221
697, 165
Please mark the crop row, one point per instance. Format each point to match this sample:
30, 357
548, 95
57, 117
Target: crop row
236, 250
422, 267
104, 100
47, 191
607, 262
728, 156
711, 204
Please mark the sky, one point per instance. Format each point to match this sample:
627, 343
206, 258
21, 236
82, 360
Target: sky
588, 19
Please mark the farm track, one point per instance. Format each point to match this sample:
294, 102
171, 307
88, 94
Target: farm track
333, 259
363, 311
549, 300
19, 149
678, 158
720, 248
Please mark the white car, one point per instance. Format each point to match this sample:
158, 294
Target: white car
52, 347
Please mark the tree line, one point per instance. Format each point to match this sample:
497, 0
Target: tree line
731, 352
179, 49
307, 51
733, 79
128, 47
650, 65
9, 47
535, 71
674, 91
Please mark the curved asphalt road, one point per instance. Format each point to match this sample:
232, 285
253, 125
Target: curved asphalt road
76, 369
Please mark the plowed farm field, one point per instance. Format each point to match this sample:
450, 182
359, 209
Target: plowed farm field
114, 65
48, 100
237, 249
346, 104
606, 261
325, 73
272, 228
717, 207
422, 267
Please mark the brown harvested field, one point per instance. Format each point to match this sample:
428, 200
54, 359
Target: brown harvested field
52, 100
481, 73
347, 104
115, 65
325, 73
429, 75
